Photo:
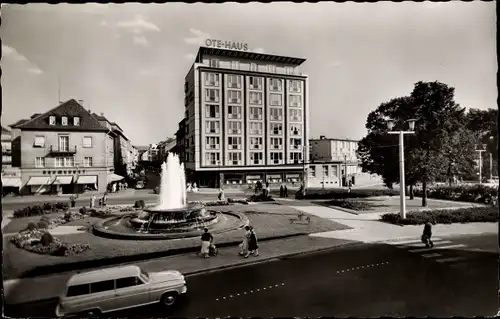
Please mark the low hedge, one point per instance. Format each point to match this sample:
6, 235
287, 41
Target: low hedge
260, 198
350, 204
463, 193
445, 216
37, 210
339, 193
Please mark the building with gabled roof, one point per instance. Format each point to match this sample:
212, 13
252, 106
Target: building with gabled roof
64, 150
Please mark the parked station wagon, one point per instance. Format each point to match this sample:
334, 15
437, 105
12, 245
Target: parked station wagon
112, 289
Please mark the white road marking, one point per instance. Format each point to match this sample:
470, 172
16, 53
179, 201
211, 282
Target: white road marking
435, 247
230, 296
422, 244
217, 299
412, 241
451, 259
431, 255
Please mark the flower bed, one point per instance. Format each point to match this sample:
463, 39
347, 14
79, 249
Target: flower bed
445, 216
350, 204
37, 210
260, 198
339, 193
31, 240
462, 193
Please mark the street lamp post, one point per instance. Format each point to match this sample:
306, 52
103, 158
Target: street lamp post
304, 181
402, 195
491, 161
480, 151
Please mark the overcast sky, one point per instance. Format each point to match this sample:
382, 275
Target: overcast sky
129, 61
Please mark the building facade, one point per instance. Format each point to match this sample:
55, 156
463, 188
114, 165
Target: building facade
64, 150
333, 162
246, 118
6, 148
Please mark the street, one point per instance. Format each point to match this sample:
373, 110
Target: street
459, 277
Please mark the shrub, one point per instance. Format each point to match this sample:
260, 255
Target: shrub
139, 204
71, 216
465, 193
260, 198
32, 226
38, 210
350, 204
42, 224
340, 193
445, 216
83, 210
46, 239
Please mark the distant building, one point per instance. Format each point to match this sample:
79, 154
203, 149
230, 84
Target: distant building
333, 162
6, 148
64, 150
180, 145
246, 118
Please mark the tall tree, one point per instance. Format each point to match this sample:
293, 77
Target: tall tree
485, 124
437, 118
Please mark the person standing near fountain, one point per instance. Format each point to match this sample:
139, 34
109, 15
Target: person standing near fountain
206, 241
92, 201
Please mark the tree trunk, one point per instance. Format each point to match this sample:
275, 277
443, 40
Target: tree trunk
424, 194
412, 196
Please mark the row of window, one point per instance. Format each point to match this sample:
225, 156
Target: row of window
255, 128
256, 158
255, 98
63, 142
64, 120
234, 112
327, 170
68, 161
270, 68
255, 83
102, 286
234, 143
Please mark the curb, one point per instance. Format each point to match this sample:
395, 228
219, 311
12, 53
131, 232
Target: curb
268, 259
95, 263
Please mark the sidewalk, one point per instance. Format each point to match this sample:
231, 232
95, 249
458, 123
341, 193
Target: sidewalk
368, 228
65, 197
24, 289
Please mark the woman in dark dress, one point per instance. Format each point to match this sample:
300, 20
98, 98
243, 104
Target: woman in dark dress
253, 248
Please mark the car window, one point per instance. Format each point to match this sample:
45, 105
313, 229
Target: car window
78, 290
101, 286
126, 282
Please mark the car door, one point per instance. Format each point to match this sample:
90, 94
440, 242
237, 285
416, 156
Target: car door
102, 294
130, 292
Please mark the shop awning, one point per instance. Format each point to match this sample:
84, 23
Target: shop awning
11, 182
86, 179
38, 180
114, 178
63, 180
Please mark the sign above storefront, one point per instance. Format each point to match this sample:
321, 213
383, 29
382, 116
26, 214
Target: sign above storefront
230, 45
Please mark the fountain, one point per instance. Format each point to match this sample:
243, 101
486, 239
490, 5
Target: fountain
172, 217
173, 211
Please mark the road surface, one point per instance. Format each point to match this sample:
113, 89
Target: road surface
459, 277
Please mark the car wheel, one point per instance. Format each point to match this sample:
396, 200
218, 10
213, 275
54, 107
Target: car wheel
169, 300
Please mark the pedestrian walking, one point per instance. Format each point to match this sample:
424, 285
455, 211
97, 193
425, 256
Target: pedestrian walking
72, 199
285, 191
92, 201
427, 234
244, 244
206, 242
268, 189
282, 191
104, 199
221, 194
253, 248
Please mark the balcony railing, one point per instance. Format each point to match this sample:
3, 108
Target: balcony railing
55, 149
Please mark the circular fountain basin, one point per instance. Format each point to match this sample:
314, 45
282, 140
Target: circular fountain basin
121, 227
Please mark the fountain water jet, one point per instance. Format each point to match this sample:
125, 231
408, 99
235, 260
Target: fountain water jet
172, 211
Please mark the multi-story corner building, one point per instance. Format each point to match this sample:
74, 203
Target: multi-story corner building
11, 176
246, 118
63, 150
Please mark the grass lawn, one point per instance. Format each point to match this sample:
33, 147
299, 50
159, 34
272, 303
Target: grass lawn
269, 220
